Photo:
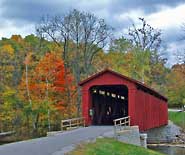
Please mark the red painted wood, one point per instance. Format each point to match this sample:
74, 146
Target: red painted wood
146, 110
132, 106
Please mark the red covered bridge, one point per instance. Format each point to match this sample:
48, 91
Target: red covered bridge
109, 95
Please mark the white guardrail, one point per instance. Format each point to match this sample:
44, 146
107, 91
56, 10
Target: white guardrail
120, 124
72, 123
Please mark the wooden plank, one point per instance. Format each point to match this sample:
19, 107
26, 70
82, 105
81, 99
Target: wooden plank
72, 123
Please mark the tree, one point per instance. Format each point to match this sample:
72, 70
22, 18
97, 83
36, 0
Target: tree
130, 60
122, 45
10, 111
80, 36
131, 64
145, 37
6, 66
176, 85
149, 39
44, 88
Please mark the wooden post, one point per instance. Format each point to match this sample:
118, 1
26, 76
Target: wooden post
61, 126
69, 123
115, 134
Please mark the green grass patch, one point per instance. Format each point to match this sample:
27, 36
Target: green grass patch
109, 146
178, 118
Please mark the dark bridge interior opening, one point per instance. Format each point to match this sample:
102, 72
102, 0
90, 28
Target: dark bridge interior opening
109, 102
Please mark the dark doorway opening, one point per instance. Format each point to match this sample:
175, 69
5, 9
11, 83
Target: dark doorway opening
109, 102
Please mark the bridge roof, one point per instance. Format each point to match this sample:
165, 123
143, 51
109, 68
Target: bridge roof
138, 83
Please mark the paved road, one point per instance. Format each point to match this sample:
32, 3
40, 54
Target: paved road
175, 110
50, 145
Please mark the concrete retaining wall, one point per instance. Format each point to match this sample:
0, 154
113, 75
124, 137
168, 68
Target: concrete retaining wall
164, 134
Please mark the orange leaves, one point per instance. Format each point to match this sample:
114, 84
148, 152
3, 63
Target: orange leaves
49, 82
59, 76
59, 89
49, 77
60, 106
49, 65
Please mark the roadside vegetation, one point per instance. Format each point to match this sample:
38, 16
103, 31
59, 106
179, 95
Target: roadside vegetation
107, 146
178, 118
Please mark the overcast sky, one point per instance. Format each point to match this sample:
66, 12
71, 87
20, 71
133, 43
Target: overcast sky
20, 16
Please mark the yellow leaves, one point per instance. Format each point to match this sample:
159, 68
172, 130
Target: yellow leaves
6, 58
129, 55
176, 85
16, 38
177, 75
7, 49
8, 93
6, 63
6, 112
6, 109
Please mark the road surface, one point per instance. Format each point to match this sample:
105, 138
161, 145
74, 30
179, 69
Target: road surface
53, 144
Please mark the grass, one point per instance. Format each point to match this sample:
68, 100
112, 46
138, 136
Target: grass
109, 146
178, 118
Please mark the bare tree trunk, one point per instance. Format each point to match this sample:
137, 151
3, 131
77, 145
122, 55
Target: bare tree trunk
78, 101
86, 34
27, 86
68, 95
143, 80
49, 124
28, 94
48, 113
65, 58
78, 92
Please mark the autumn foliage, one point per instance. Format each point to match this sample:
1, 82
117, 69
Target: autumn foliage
47, 85
39, 81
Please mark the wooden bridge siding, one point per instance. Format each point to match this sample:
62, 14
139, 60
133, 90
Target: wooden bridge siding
132, 105
139, 110
150, 111
164, 113
107, 79
144, 109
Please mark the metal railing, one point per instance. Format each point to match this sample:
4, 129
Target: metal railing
72, 123
120, 124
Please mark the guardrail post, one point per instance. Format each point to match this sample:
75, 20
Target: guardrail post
121, 123
115, 134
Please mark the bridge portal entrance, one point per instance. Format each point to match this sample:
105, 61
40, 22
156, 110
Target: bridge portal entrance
109, 102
